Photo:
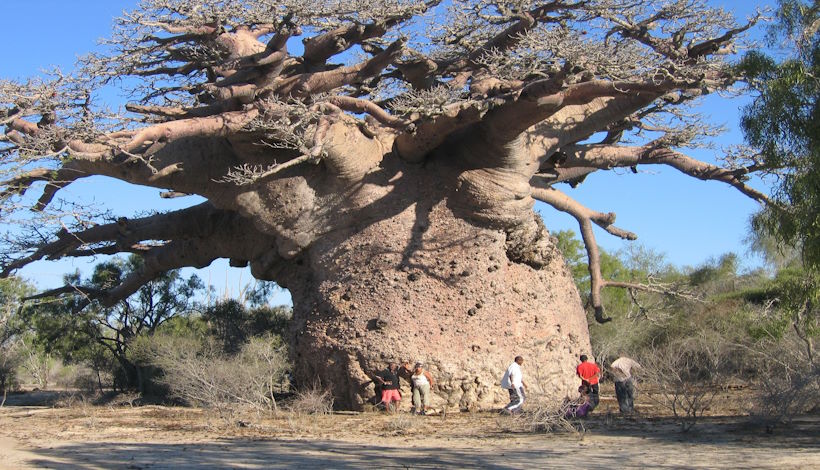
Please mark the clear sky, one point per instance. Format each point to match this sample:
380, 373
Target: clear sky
686, 219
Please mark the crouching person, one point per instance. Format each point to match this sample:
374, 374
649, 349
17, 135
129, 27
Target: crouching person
582, 406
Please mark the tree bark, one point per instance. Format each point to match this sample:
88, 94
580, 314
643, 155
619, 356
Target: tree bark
422, 281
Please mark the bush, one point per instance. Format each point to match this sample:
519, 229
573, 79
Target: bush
313, 400
548, 417
687, 375
201, 374
788, 380
10, 361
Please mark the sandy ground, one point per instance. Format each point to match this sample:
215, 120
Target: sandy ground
154, 437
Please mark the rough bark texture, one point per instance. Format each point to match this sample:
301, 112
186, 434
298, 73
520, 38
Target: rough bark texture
424, 284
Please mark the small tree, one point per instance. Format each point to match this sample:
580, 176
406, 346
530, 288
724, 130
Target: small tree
782, 347
233, 324
11, 327
685, 376
82, 330
783, 124
35, 361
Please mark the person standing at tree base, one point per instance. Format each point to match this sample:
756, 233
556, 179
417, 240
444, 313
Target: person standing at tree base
422, 383
589, 372
621, 370
389, 380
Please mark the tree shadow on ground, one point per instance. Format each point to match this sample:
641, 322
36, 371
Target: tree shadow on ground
802, 431
607, 443
275, 454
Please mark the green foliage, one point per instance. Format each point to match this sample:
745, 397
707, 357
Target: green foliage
783, 122
232, 324
101, 336
633, 264
11, 328
716, 275
573, 250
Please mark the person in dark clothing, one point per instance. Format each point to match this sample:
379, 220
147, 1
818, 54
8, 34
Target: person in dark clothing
389, 381
581, 407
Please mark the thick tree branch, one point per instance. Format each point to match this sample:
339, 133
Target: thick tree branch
713, 45
357, 105
415, 144
540, 100
193, 221
222, 125
319, 82
585, 217
564, 203
668, 290
609, 156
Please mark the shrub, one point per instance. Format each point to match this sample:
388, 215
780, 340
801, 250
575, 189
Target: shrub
313, 400
687, 375
788, 380
201, 374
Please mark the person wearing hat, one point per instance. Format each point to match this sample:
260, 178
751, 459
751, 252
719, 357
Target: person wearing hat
422, 381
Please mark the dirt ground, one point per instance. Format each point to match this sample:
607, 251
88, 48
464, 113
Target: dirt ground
81, 436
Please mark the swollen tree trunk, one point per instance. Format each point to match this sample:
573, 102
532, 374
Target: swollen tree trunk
392, 195
424, 282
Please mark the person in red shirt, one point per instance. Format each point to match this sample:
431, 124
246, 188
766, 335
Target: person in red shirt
589, 372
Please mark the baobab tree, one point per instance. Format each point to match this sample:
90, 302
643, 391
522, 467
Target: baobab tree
380, 159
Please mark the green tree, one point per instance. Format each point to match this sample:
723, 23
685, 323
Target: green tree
232, 324
11, 327
783, 123
99, 334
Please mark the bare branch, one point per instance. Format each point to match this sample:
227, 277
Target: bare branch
320, 82
606, 157
585, 217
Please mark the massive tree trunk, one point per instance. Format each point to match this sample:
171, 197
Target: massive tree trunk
392, 195
427, 283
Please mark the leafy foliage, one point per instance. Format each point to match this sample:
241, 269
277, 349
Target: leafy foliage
11, 327
783, 122
232, 324
101, 335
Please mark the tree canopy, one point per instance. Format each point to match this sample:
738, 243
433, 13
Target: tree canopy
284, 137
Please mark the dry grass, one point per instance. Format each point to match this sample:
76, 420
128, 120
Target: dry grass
313, 400
347, 438
83, 421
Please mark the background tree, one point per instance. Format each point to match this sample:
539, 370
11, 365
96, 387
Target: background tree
783, 122
81, 330
384, 169
233, 324
11, 328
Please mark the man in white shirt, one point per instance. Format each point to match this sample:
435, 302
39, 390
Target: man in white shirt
513, 381
621, 370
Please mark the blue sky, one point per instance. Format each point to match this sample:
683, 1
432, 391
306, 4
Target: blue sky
686, 219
